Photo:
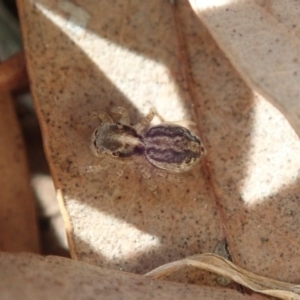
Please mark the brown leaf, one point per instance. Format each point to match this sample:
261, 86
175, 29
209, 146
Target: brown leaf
261, 39
17, 208
221, 266
93, 56
13, 74
28, 276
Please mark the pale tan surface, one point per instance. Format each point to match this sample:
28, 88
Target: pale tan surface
229, 271
93, 56
28, 276
262, 40
18, 221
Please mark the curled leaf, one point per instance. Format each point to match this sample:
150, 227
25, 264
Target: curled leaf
224, 267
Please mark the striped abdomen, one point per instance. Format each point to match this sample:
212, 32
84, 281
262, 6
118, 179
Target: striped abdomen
172, 148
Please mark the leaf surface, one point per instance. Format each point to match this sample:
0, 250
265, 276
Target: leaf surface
29, 276
93, 56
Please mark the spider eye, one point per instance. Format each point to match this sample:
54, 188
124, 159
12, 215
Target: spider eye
116, 154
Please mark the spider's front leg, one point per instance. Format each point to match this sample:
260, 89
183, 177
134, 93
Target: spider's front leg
104, 117
124, 120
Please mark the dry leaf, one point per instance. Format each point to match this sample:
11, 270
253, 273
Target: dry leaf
219, 265
93, 56
18, 221
28, 276
261, 38
13, 74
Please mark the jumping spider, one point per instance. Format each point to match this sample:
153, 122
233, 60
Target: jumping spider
166, 146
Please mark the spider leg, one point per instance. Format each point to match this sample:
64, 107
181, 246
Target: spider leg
105, 118
124, 120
